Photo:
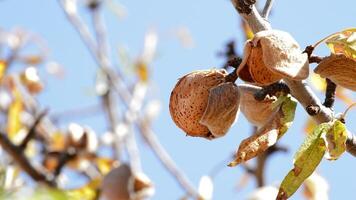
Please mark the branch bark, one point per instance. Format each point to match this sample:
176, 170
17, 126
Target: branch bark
299, 89
19, 157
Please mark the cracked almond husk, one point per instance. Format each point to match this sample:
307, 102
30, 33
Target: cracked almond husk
222, 109
256, 112
203, 93
340, 69
273, 55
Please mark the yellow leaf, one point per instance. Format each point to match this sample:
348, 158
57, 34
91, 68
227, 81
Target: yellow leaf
14, 116
247, 30
105, 164
343, 96
2, 68
318, 82
58, 141
87, 192
142, 71
343, 42
309, 126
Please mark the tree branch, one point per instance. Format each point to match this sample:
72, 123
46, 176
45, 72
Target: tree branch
267, 9
32, 132
299, 89
166, 160
19, 157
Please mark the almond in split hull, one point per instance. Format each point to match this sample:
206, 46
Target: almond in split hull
273, 55
253, 70
256, 112
340, 69
258, 70
282, 54
189, 100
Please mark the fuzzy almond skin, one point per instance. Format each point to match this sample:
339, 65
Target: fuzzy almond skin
189, 99
340, 69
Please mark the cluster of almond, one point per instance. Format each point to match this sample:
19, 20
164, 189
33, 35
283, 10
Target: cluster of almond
205, 104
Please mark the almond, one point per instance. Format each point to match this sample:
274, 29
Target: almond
189, 99
258, 70
256, 112
273, 55
340, 69
282, 54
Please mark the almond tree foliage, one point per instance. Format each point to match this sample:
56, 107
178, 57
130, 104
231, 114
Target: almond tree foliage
205, 103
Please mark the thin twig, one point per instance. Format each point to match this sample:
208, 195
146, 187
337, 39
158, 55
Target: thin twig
166, 160
85, 111
329, 94
267, 9
63, 158
19, 157
32, 132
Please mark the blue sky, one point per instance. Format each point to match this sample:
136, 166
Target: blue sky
212, 24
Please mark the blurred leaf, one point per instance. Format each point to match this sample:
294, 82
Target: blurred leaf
318, 82
142, 71
247, 30
309, 126
2, 68
343, 42
32, 59
267, 135
105, 164
306, 160
31, 79
87, 192
336, 140
14, 124
341, 93
46, 193
58, 141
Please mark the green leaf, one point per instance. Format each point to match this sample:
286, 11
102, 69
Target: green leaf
336, 140
307, 159
267, 135
288, 109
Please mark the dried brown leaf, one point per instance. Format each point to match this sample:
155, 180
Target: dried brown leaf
267, 135
340, 69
